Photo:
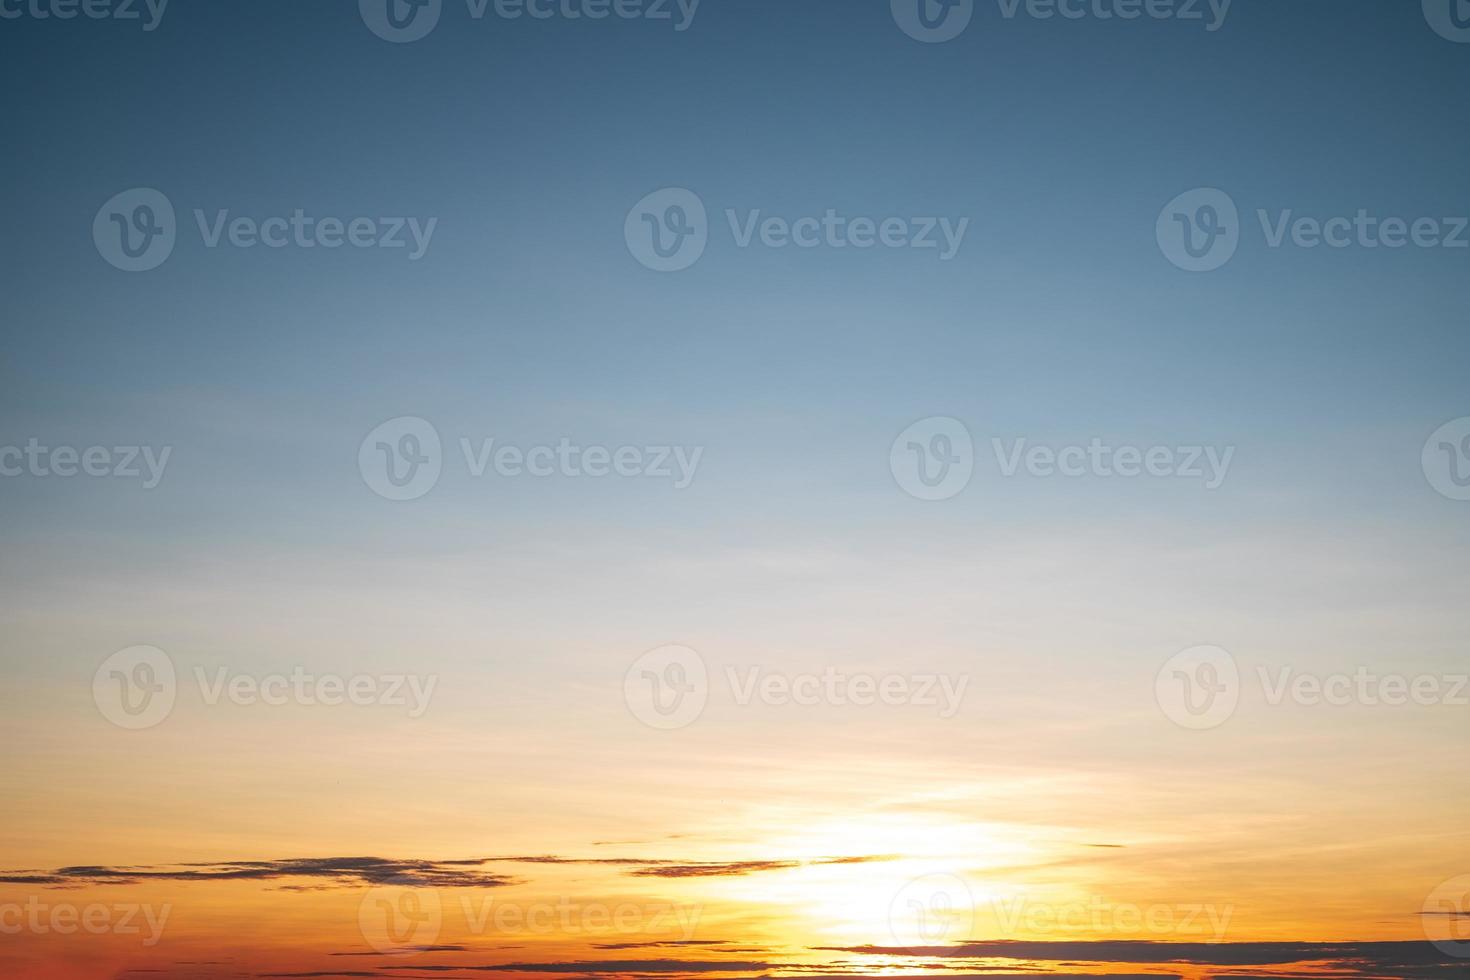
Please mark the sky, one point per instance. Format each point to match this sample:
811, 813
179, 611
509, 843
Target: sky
740, 488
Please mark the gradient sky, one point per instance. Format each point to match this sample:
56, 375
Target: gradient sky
528, 321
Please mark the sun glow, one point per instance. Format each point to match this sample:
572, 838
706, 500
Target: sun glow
883, 880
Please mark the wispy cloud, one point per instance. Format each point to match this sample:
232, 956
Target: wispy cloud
708, 869
316, 874
338, 872
1400, 959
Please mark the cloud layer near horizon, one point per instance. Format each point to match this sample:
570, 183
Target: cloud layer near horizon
348, 872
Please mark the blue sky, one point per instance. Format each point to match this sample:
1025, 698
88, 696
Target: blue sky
529, 141
529, 321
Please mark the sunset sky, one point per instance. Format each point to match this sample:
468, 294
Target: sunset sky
760, 710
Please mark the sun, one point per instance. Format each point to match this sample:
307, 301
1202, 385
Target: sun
882, 880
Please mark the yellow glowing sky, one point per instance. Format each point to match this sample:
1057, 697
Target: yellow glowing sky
1287, 823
